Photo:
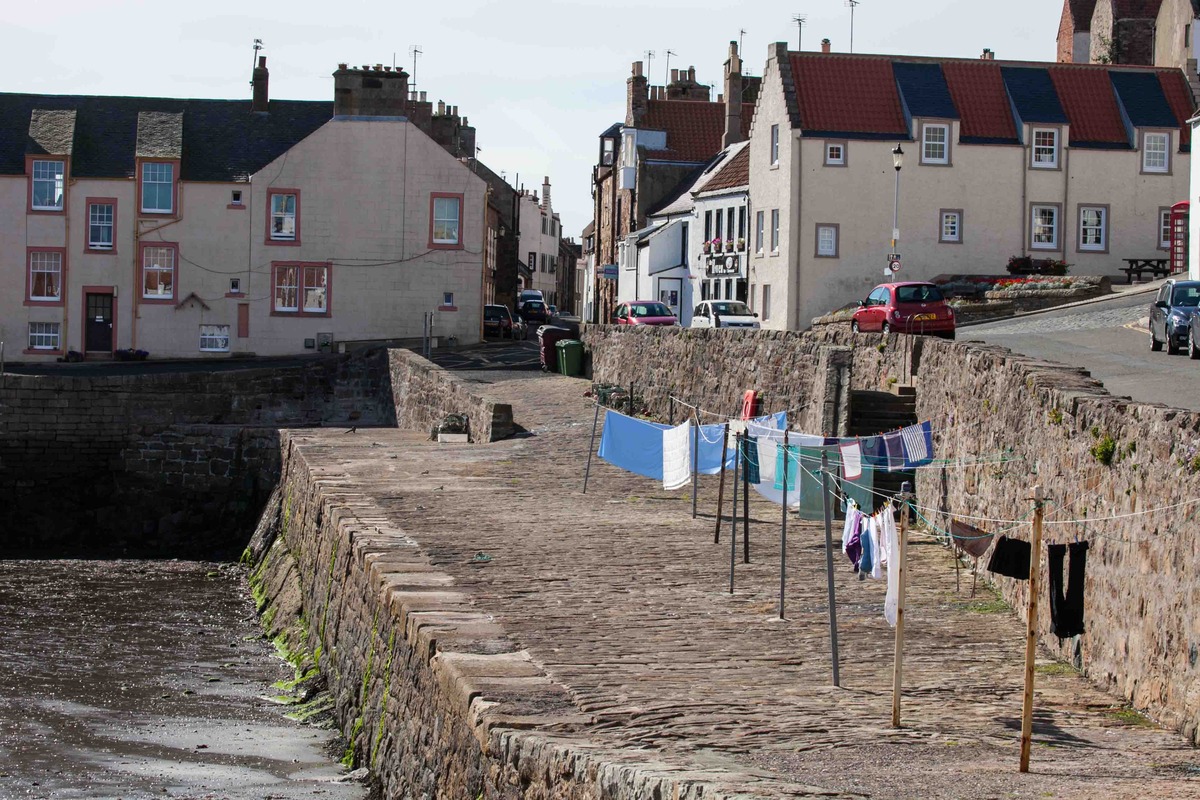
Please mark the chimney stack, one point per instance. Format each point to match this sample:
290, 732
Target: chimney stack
674, 76
259, 80
733, 97
826, 46
368, 92
637, 95
546, 193
988, 55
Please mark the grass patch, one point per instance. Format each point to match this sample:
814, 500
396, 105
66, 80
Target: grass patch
1055, 668
1129, 716
987, 606
1104, 449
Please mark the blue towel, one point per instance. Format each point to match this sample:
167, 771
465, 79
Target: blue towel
634, 445
867, 560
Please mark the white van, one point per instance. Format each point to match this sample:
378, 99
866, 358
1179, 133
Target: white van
530, 294
724, 314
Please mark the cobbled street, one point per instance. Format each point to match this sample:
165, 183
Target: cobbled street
622, 599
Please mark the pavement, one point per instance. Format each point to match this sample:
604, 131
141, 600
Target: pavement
1106, 336
622, 598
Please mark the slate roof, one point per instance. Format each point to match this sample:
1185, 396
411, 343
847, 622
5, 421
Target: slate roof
220, 140
694, 128
876, 97
51, 133
733, 174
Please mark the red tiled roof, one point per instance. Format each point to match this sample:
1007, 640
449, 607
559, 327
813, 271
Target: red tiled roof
1179, 96
847, 93
694, 129
1136, 9
1088, 99
977, 88
734, 173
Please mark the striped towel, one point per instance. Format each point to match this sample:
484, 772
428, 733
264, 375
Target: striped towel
918, 445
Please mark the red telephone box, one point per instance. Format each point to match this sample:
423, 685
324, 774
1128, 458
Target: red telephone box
1179, 237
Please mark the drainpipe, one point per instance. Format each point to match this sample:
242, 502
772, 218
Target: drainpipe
1066, 165
484, 267
1026, 155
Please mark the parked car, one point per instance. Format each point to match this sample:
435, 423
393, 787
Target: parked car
527, 295
497, 321
534, 311
520, 329
909, 307
724, 314
553, 309
1171, 317
644, 312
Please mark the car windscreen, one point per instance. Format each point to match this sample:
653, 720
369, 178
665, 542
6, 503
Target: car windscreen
923, 293
734, 309
1186, 296
533, 305
494, 312
650, 310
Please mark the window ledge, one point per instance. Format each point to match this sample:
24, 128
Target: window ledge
236, 295
156, 301
317, 314
447, 308
99, 251
39, 352
237, 206
282, 242
774, 166
32, 303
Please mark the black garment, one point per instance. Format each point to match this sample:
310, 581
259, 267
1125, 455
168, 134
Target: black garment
1011, 558
1066, 611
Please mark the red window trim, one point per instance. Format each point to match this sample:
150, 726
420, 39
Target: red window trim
300, 312
461, 208
29, 209
142, 300
109, 290
62, 345
87, 226
137, 179
62, 278
282, 242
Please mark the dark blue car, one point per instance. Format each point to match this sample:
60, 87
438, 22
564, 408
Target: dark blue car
1171, 317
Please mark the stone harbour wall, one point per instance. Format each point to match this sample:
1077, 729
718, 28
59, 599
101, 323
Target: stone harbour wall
1006, 422
423, 394
430, 692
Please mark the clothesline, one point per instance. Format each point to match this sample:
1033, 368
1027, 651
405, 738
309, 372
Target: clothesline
719, 415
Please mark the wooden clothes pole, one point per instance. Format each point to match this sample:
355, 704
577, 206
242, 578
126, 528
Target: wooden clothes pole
833, 631
695, 459
721, 489
783, 527
733, 522
591, 448
745, 508
1031, 628
902, 579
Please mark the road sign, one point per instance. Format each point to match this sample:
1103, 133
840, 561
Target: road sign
894, 265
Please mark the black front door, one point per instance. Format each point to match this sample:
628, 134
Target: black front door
99, 332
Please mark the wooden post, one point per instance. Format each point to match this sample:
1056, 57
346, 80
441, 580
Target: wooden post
1031, 627
783, 527
695, 459
745, 508
733, 522
721, 489
592, 447
902, 557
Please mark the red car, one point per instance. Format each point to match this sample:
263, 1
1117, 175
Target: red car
910, 307
644, 312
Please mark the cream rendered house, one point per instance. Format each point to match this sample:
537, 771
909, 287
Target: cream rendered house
1069, 162
208, 228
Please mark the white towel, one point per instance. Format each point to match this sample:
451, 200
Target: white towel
851, 460
891, 601
677, 456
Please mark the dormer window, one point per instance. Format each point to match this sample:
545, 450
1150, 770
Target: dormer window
48, 185
607, 152
1045, 148
158, 187
1156, 152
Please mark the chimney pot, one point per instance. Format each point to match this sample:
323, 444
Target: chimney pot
341, 66
720, 97
423, 96
386, 68
637, 69
378, 67
674, 76
259, 79
441, 108
826, 46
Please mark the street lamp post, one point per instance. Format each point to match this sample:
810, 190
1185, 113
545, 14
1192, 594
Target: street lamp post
897, 162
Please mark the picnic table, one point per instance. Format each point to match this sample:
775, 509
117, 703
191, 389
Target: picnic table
1155, 266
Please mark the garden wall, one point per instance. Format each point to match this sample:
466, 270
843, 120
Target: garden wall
1016, 422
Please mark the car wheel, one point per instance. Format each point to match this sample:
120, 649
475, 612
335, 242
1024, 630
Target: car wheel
1193, 348
887, 328
1155, 344
854, 325
1172, 348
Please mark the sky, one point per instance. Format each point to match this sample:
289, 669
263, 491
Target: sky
538, 81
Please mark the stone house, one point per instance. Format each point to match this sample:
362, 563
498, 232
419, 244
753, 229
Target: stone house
1075, 31
1122, 31
214, 228
669, 131
1062, 161
541, 232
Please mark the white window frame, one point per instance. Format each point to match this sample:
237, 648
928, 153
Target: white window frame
1085, 228
53, 174
760, 229
440, 217
827, 241
45, 336
1043, 155
214, 338
774, 231
775, 145
957, 217
1159, 137
280, 216
99, 221
46, 262
927, 142
149, 265
1056, 227
835, 161
1164, 229
153, 174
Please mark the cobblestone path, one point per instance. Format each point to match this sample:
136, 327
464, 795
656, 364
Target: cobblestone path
622, 598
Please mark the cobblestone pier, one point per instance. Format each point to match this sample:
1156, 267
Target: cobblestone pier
646, 678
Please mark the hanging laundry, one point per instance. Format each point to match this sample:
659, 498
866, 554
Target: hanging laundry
770, 459
918, 445
887, 527
632, 444
893, 445
1066, 610
791, 470
866, 561
875, 531
873, 452
1011, 558
750, 458
853, 515
677, 456
971, 540
891, 601
851, 460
